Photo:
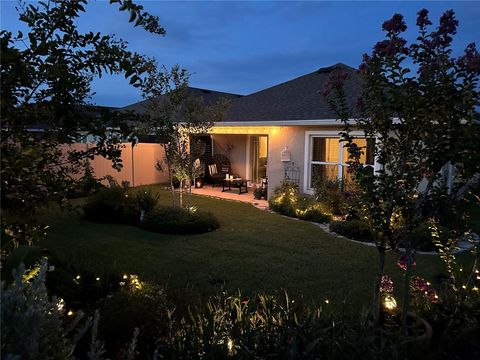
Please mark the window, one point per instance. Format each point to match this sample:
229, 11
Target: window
326, 157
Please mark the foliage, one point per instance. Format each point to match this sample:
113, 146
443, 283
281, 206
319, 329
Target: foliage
86, 185
313, 212
33, 325
339, 198
111, 205
423, 121
175, 117
177, 220
284, 199
134, 307
46, 77
22, 254
146, 200
353, 229
17, 232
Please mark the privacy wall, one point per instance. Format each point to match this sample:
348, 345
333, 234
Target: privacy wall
138, 170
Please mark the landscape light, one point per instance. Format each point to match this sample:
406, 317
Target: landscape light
390, 303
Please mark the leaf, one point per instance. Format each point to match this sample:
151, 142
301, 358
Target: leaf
133, 16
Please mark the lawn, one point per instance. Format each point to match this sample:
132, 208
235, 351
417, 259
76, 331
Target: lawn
253, 250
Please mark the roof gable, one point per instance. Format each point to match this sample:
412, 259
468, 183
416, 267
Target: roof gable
297, 99
210, 97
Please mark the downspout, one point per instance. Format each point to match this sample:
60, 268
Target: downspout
134, 142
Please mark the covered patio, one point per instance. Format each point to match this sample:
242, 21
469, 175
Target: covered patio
217, 192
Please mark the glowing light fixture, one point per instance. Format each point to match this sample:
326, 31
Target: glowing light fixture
389, 303
245, 130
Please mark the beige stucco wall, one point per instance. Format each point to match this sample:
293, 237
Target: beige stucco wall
294, 138
144, 160
238, 154
278, 137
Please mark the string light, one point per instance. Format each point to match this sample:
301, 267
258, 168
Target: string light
77, 277
327, 301
98, 279
70, 313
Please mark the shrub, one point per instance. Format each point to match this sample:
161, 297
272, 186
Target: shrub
422, 237
142, 307
111, 205
177, 220
284, 199
354, 229
314, 213
287, 201
33, 324
339, 197
146, 200
86, 185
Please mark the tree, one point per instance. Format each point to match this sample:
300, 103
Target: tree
423, 120
175, 117
45, 79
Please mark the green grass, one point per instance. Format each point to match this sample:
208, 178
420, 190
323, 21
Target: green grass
253, 250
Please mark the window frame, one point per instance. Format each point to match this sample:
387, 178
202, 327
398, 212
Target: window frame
308, 162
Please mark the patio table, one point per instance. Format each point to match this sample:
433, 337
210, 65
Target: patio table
236, 183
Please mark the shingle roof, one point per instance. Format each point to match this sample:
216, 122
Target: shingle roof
297, 99
210, 97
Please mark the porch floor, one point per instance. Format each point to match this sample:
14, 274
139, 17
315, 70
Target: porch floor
207, 190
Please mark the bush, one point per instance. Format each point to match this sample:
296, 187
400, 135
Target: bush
314, 213
338, 196
142, 308
86, 185
146, 200
284, 199
111, 205
176, 220
33, 325
422, 239
353, 229
287, 201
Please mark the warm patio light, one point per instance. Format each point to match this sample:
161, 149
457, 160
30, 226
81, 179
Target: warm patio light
389, 303
244, 130
70, 313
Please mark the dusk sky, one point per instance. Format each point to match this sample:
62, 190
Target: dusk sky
243, 47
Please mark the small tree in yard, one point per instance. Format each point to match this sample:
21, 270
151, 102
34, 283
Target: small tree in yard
175, 117
423, 120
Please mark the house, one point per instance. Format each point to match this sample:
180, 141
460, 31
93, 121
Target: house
285, 131
289, 130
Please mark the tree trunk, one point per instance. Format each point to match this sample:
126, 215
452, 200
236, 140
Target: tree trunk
376, 306
181, 193
406, 293
172, 188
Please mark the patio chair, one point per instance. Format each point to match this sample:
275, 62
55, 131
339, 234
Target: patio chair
219, 168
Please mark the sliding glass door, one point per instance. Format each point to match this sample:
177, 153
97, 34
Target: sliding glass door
258, 157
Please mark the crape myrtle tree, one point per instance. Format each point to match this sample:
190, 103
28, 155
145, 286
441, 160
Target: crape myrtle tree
175, 117
46, 77
419, 103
